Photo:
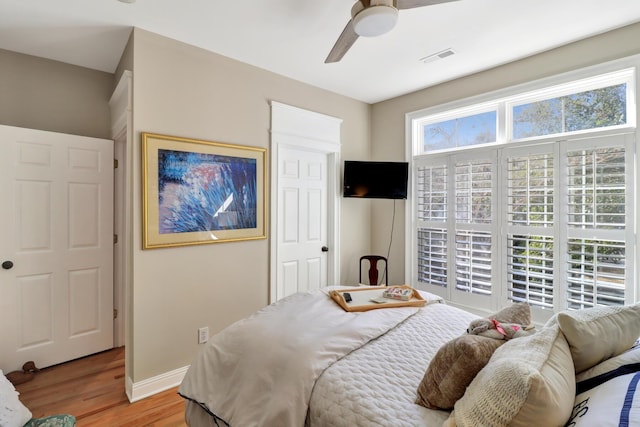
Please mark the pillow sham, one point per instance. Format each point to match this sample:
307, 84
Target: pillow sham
529, 381
599, 333
458, 361
12, 412
609, 399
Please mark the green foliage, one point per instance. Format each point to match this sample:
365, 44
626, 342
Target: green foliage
585, 110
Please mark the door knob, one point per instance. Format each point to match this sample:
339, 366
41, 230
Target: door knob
7, 265
325, 249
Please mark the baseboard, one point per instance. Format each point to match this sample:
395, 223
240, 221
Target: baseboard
150, 386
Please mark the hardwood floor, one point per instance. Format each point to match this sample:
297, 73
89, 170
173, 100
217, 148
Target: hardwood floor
93, 390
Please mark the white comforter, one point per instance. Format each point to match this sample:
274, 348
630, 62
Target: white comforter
376, 385
261, 371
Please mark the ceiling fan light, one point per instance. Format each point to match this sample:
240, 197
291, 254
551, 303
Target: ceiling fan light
375, 21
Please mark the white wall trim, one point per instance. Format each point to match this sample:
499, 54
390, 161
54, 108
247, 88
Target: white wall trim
120, 105
159, 383
296, 127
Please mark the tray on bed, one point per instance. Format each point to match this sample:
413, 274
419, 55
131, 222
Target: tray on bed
361, 298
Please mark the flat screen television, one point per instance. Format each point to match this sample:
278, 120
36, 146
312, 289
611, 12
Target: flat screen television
375, 180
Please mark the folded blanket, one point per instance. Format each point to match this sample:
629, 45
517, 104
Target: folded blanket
260, 371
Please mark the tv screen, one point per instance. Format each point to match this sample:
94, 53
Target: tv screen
375, 180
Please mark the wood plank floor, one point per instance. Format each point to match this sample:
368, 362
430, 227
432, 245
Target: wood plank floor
93, 390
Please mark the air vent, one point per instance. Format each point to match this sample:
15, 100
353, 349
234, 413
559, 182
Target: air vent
439, 55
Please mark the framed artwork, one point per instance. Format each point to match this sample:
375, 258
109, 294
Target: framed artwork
198, 192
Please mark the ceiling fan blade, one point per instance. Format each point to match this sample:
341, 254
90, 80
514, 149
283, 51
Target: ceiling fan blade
410, 4
347, 38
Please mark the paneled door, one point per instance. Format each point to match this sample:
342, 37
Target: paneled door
302, 217
56, 247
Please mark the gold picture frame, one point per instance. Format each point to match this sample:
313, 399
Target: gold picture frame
199, 192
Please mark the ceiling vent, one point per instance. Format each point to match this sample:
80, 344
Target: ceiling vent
439, 55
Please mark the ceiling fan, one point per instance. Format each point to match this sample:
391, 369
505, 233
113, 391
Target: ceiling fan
370, 18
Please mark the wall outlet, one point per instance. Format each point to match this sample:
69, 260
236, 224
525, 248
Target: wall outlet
203, 335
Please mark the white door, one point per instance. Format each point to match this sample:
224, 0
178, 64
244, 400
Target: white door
56, 247
302, 221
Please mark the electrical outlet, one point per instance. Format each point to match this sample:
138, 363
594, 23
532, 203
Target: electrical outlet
203, 335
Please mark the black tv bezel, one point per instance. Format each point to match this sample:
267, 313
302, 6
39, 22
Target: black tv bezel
377, 167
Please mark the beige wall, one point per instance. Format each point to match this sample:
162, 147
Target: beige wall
388, 117
185, 91
47, 95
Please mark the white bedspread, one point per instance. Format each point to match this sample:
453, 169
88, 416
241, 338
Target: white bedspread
376, 385
260, 371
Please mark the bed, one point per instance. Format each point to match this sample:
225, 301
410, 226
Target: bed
304, 361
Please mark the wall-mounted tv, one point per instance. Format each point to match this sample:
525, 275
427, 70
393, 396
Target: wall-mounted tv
375, 180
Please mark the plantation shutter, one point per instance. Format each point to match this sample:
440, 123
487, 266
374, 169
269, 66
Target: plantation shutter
431, 197
473, 215
596, 253
530, 214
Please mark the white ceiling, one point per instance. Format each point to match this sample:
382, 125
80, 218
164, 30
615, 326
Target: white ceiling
293, 37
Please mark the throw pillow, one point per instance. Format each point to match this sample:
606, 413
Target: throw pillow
609, 399
53, 421
453, 368
599, 333
629, 357
458, 361
529, 381
12, 412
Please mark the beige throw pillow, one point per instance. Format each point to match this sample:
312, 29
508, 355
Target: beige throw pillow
453, 368
529, 381
599, 333
458, 361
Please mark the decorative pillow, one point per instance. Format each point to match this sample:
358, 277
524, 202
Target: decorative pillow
453, 368
529, 381
629, 357
457, 362
12, 412
609, 399
599, 333
53, 421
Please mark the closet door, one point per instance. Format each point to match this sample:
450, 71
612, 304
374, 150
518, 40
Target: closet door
56, 247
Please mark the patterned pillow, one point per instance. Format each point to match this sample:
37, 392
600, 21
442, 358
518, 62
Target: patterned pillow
53, 421
457, 362
609, 399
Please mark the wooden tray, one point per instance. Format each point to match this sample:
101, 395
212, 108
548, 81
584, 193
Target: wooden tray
361, 298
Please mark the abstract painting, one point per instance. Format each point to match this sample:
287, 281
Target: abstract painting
199, 192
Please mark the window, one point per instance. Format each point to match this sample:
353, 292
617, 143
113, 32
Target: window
529, 198
461, 128
598, 108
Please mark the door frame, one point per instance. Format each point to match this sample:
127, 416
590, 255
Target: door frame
293, 127
121, 132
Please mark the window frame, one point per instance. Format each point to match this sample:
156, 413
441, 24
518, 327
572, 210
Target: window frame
625, 75
504, 100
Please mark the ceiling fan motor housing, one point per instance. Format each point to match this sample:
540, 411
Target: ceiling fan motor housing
374, 20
